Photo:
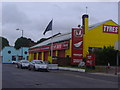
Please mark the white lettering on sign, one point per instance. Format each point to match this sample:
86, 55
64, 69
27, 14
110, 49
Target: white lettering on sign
77, 60
89, 57
77, 54
110, 29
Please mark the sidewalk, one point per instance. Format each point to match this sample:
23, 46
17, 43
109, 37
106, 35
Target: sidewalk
109, 72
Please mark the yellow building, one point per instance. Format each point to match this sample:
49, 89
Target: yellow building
100, 34
95, 36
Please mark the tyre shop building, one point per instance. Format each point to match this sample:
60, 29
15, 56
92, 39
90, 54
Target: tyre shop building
93, 37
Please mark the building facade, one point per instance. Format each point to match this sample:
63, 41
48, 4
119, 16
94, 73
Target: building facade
94, 37
9, 54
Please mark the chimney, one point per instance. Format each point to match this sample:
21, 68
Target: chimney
85, 23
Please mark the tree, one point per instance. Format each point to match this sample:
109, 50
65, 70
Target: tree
105, 55
44, 39
3, 42
41, 40
23, 42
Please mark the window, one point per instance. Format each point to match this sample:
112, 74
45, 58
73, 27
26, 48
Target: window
25, 52
9, 52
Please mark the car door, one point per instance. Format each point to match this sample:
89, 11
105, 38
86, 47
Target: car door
32, 64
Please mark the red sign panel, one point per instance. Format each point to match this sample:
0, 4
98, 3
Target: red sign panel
57, 46
110, 29
77, 46
90, 60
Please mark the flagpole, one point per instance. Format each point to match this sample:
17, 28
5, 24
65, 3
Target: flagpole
52, 43
48, 28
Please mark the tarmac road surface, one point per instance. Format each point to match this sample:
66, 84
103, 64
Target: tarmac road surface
23, 78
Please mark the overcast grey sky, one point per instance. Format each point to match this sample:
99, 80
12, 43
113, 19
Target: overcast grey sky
33, 17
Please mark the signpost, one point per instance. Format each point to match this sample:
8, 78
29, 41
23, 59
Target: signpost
90, 61
77, 46
117, 48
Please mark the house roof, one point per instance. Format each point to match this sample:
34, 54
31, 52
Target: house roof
66, 36
57, 38
98, 24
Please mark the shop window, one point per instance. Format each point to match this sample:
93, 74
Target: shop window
9, 52
20, 57
25, 52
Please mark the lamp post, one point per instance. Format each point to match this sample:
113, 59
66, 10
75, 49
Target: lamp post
21, 47
20, 30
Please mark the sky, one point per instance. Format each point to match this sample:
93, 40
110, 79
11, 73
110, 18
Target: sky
33, 17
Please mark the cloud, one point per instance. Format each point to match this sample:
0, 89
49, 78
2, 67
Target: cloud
11, 14
33, 17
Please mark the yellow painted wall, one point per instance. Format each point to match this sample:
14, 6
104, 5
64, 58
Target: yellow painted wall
49, 57
56, 52
42, 55
31, 55
69, 50
97, 38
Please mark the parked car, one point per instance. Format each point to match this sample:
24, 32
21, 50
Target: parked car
14, 62
22, 64
38, 65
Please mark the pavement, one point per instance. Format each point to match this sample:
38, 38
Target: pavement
110, 72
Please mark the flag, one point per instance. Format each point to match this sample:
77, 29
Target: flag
48, 28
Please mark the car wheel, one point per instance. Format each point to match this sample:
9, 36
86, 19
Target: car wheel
29, 68
34, 68
47, 70
21, 67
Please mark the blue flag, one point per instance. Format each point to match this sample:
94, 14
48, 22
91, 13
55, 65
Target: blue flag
48, 28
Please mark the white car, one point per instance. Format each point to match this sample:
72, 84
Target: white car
38, 65
14, 62
22, 64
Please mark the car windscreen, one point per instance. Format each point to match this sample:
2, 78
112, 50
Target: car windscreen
25, 61
39, 62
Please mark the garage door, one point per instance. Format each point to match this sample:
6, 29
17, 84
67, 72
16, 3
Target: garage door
39, 56
54, 53
61, 53
46, 56
34, 56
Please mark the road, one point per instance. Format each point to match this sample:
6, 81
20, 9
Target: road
13, 77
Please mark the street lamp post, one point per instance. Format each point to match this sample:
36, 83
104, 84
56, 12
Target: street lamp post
20, 30
21, 47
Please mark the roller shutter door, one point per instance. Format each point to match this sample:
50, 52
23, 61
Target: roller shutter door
61, 53
54, 53
46, 56
40, 56
34, 56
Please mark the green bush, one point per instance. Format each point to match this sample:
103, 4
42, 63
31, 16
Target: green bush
105, 55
